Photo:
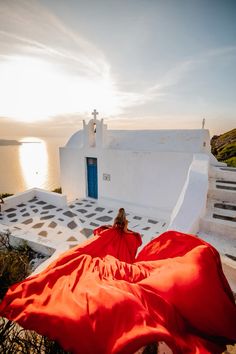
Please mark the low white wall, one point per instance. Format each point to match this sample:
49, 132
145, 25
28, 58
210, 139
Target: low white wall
19, 241
56, 199
191, 204
18, 198
53, 198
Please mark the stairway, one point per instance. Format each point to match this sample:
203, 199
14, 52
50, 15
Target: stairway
218, 225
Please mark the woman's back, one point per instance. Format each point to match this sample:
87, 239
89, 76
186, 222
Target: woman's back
118, 243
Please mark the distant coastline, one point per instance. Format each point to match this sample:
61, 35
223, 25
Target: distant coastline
6, 142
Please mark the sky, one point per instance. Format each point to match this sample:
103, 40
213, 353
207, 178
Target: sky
143, 64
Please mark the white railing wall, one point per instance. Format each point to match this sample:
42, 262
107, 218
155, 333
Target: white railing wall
191, 205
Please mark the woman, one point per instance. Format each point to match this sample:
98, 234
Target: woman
120, 222
90, 301
117, 240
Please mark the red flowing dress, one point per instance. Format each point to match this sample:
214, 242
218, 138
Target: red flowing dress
99, 298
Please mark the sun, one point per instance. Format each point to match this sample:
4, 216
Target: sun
24, 88
33, 90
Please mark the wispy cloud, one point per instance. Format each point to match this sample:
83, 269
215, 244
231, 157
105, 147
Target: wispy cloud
219, 52
179, 71
31, 30
34, 30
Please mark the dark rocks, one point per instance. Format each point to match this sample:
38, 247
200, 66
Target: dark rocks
38, 225
152, 221
46, 217
104, 218
49, 206
11, 215
69, 214
10, 210
99, 209
52, 224
86, 232
28, 221
90, 215
72, 225
83, 211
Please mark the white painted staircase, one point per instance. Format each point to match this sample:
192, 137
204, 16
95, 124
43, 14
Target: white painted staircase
218, 226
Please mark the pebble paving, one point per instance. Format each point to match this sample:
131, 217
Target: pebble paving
46, 224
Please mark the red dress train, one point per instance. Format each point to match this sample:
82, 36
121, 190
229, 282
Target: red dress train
97, 298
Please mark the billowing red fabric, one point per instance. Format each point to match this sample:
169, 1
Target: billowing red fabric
92, 302
122, 245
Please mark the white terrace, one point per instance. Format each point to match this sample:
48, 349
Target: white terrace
49, 224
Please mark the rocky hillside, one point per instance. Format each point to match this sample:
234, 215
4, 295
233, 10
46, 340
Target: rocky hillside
223, 147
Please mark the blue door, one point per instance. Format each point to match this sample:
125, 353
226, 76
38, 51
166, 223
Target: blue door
92, 177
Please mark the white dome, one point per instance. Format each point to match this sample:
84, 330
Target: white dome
76, 140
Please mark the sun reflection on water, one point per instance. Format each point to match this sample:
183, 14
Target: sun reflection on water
34, 162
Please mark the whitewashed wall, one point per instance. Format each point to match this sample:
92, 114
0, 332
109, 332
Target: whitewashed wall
72, 175
149, 181
191, 140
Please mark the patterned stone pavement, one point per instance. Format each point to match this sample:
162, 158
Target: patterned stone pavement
51, 226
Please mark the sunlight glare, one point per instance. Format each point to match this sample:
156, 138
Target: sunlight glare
34, 162
33, 89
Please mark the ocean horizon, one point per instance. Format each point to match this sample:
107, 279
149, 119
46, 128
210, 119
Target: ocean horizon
34, 162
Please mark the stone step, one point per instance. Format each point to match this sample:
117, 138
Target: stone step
225, 182
218, 226
224, 217
225, 206
223, 191
215, 206
222, 182
228, 169
224, 212
223, 173
226, 185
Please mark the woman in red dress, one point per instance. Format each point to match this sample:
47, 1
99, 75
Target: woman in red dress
98, 298
118, 240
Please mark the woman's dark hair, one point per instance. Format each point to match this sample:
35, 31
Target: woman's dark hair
120, 219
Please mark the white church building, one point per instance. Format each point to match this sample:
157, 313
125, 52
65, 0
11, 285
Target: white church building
141, 170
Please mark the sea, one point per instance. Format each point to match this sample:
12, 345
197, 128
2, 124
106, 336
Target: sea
33, 163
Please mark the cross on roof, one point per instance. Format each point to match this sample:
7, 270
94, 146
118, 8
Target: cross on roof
95, 113
203, 123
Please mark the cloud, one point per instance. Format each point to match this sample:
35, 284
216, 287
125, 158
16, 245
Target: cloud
33, 29
179, 71
81, 76
219, 52
30, 30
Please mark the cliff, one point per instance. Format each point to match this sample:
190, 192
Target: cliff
223, 147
